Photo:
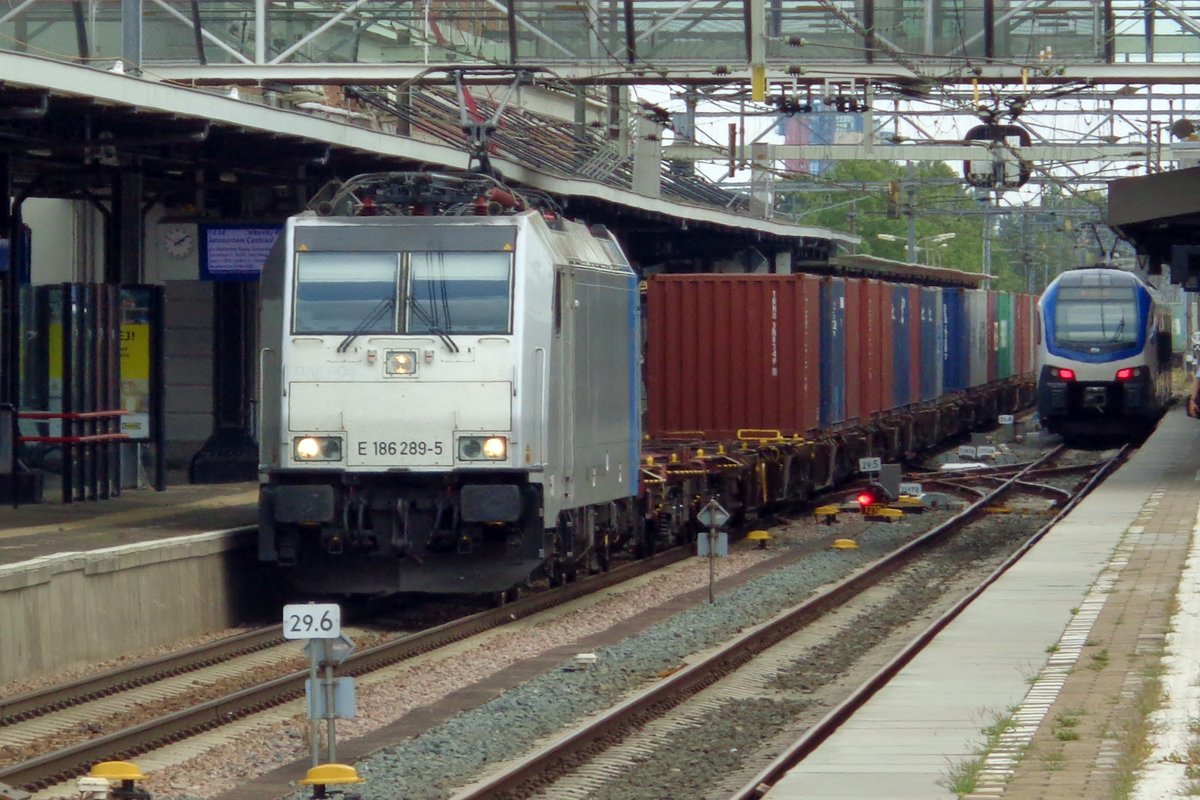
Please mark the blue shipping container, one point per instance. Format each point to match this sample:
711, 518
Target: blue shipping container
901, 352
833, 351
956, 339
931, 343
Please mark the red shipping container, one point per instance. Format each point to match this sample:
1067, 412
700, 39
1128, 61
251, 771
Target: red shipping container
854, 348
728, 352
1027, 329
882, 334
1033, 334
871, 344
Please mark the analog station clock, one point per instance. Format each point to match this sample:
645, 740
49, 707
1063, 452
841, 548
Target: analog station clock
178, 240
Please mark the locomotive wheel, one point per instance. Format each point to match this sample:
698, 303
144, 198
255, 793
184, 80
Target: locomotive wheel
502, 598
559, 574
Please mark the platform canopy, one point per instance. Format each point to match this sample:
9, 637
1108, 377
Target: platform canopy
1160, 215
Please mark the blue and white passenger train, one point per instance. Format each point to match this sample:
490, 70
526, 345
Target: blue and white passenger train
450, 392
1104, 355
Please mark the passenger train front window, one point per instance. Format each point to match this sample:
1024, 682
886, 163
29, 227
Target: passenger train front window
459, 293
1096, 316
346, 292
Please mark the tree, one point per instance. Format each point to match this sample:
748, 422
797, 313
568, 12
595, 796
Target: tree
1029, 244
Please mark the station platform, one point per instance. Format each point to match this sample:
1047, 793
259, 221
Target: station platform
51, 527
91, 581
1036, 690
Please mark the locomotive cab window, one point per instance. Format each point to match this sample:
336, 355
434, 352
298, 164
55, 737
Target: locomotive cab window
446, 293
345, 292
1105, 317
459, 293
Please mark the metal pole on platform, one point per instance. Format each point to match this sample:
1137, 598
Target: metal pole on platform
712, 562
314, 723
330, 701
911, 191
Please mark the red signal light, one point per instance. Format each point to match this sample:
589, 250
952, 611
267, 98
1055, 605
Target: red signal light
866, 499
1066, 374
1125, 374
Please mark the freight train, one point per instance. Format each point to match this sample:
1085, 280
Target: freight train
1104, 363
452, 389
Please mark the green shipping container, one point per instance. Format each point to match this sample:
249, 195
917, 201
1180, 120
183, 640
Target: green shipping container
1005, 331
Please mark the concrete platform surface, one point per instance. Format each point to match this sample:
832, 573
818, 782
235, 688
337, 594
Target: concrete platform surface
136, 515
1010, 654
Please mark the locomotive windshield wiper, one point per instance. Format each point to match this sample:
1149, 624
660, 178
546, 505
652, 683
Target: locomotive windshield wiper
370, 319
1116, 337
432, 325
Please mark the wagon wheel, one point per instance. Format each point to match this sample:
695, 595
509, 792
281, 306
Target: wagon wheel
505, 596
603, 557
560, 572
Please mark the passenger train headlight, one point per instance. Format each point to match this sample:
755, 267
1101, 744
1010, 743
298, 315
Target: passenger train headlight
317, 448
401, 362
482, 448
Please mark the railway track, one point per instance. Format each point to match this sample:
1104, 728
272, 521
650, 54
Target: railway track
52, 768
43, 714
611, 746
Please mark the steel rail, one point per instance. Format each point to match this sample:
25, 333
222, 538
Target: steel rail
64, 695
1004, 469
823, 729
69, 762
688, 681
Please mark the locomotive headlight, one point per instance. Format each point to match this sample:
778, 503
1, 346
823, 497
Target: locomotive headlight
401, 362
495, 447
483, 448
317, 448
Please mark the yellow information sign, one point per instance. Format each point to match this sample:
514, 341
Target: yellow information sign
135, 370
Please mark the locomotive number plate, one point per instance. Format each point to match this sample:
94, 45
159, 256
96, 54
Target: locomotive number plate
379, 448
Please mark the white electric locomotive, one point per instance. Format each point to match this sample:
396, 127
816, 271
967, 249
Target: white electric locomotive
1104, 354
450, 391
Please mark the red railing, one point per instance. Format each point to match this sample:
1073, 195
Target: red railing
101, 466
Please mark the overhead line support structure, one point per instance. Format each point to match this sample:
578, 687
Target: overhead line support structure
801, 72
